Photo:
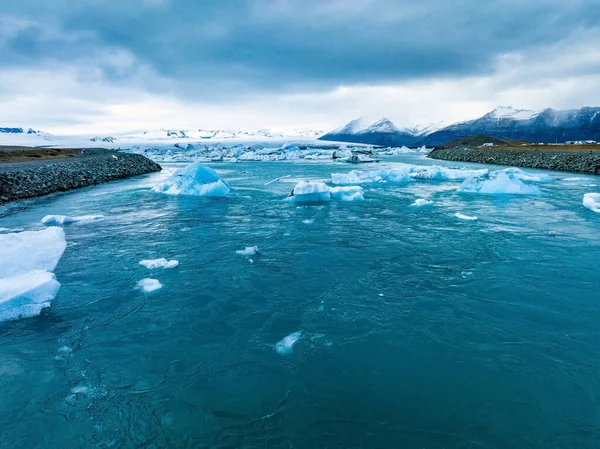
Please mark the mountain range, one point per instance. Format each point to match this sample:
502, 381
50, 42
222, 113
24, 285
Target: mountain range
547, 126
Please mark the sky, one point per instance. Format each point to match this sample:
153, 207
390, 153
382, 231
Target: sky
108, 66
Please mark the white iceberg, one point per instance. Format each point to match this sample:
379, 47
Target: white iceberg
592, 201
195, 179
149, 285
27, 259
348, 193
285, 346
310, 191
372, 176
438, 173
52, 220
159, 263
465, 217
421, 202
502, 184
248, 251
517, 173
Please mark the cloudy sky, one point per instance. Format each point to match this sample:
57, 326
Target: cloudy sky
115, 65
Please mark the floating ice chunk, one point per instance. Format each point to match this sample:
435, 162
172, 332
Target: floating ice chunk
31, 250
159, 263
63, 219
149, 285
437, 173
26, 295
406, 173
248, 251
465, 217
592, 201
312, 191
349, 193
308, 221
285, 346
421, 202
499, 185
195, 179
517, 173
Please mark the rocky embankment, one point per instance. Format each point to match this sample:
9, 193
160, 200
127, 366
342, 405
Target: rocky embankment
573, 162
19, 180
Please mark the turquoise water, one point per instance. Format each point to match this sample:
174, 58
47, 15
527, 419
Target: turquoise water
419, 330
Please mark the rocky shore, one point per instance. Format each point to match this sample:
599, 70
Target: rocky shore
20, 180
572, 162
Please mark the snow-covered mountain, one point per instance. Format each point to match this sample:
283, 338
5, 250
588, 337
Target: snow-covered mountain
506, 122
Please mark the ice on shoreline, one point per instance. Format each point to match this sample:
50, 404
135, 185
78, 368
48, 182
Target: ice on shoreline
196, 180
51, 220
149, 285
159, 263
27, 259
592, 201
501, 184
285, 346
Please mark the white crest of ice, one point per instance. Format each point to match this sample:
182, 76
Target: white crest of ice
310, 191
517, 173
195, 179
465, 217
64, 219
421, 202
27, 259
31, 250
285, 346
592, 201
159, 263
405, 173
248, 251
500, 185
348, 193
149, 285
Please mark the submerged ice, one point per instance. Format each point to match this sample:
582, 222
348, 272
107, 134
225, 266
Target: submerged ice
27, 262
52, 220
285, 345
195, 179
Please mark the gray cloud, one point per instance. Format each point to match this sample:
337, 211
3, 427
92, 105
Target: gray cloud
228, 48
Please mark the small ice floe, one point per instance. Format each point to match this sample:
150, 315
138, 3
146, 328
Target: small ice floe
381, 294
310, 191
592, 201
552, 233
248, 251
115, 157
421, 202
149, 285
465, 217
285, 346
348, 193
159, 263
27, 261
308, 221
501, 184
52, 220
195, 179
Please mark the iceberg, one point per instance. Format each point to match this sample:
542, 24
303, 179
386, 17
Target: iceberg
421, 202
195, 179
465, 217
502, 184
248, 251
517, 173
52, 220
27, 259
349, 193
311, 191
371, 177
285, 346
592, 201
406, 173
159, 263
149, 285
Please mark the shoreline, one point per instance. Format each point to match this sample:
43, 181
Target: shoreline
588, 163
28, 178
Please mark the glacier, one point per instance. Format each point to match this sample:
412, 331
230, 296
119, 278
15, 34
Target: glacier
27, 261
592, 201
195, 179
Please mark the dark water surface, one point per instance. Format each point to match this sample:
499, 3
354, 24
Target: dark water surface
419, 330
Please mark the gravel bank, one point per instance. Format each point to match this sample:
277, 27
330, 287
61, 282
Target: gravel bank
29, 179
572, 162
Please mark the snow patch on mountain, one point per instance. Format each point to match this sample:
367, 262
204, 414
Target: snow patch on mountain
508, 112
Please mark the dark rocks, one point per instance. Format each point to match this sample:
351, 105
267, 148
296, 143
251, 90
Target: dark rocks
27, 180
572, 162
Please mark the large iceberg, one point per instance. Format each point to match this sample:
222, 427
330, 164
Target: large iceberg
195, 179
405, 173
27, 259
500, 185
517, 173
592, 201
